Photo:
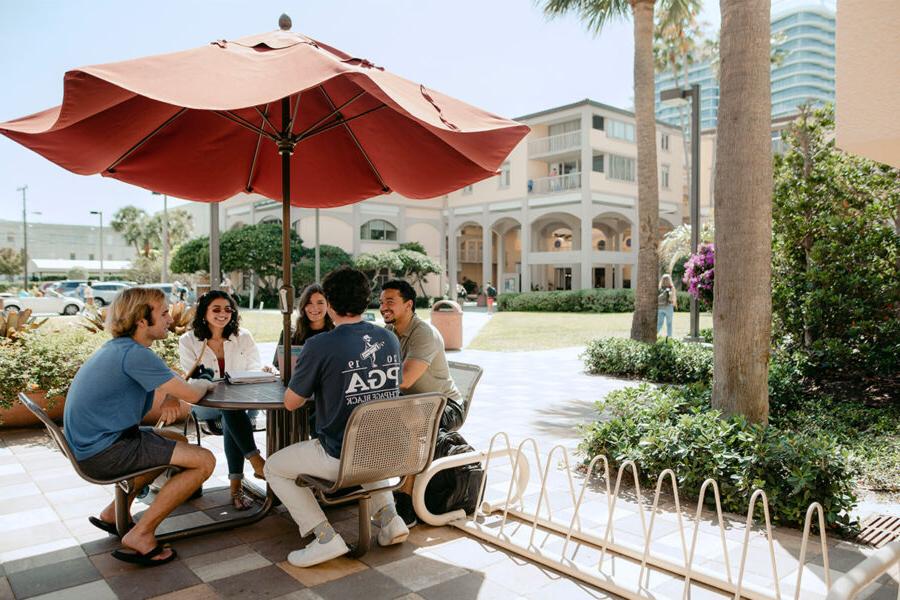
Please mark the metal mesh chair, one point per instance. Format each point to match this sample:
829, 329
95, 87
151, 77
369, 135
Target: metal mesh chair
124, 484
466, 377
384, 439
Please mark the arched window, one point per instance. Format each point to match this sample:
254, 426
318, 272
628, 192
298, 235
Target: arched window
378, 229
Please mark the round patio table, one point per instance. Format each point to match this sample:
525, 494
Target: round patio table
283, 427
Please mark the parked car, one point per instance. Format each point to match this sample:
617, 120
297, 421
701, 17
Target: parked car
69, 287
50, 302
173, 293
105, 291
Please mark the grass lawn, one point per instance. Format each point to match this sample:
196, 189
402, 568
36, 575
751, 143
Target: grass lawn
517, 331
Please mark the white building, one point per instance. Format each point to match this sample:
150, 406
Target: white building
559, 214
72, 245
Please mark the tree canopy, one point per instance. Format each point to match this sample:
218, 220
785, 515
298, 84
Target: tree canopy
836, 253
10, 261
145, 232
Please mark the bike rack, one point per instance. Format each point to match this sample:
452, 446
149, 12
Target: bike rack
493, 520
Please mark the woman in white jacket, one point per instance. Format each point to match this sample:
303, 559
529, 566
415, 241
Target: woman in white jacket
218, 343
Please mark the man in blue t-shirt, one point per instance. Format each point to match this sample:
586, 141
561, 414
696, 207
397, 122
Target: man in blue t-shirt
106, 402
354, 363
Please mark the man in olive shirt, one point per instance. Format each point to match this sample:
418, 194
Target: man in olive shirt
425, 367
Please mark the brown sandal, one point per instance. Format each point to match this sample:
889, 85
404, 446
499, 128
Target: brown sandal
240, 500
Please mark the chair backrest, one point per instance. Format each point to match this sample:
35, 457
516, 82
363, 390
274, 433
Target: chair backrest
55, 433
389, 438
466, 377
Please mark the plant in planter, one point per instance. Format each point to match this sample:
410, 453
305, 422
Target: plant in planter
45, 364
15, 325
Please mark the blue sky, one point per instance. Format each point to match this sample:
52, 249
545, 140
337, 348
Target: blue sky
501, 55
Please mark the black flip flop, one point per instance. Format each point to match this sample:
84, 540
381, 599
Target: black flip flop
109, 528
145, 560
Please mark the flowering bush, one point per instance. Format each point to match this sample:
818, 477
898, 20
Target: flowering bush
699, 272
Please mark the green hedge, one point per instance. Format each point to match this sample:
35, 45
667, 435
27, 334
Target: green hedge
666, 361
587, 301
675, 428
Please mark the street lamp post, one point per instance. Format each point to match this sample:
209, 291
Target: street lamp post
677, 96
100, 213
23, 189
165, 237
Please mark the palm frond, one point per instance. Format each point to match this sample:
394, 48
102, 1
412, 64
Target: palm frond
593, 13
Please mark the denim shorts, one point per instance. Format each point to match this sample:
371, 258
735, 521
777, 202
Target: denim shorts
136, 449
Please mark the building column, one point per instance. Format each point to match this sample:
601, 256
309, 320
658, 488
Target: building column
486, 247
501, 261
401, 226
587, 162
525, 242
357, 217
444, 259
453, 259
608, 276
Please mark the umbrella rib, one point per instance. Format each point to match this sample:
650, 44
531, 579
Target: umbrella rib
294, 114
356, 141
265, 119
112, 168
225, 114
331, 126
248, 187
312, 128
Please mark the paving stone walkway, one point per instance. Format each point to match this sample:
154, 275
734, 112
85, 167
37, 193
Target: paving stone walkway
49, 550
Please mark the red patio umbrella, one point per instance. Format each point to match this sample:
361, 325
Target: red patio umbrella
279, 114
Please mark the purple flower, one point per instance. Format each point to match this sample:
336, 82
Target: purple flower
699, 272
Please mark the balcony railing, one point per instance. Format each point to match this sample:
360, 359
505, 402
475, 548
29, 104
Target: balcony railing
555, 184
555, 144
470, 256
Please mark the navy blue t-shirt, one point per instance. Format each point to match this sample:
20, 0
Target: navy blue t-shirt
343, 368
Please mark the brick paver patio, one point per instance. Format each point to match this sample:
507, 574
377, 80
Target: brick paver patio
49, 550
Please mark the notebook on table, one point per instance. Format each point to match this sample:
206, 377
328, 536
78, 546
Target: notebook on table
239, 377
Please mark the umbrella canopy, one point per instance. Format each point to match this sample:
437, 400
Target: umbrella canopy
205, 124
279, 114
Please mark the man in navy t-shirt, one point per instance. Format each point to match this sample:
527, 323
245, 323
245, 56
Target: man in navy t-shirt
109, 396
354, 363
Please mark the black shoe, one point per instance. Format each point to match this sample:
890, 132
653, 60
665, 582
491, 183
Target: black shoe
211, 427
404, 505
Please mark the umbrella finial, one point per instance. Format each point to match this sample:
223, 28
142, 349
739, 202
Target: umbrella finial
284, 22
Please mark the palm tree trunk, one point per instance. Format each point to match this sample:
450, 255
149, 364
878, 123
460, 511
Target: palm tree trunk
742, 306
643, 324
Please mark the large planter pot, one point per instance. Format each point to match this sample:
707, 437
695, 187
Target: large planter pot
19, 416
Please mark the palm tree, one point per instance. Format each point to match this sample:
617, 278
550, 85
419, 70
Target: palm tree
742, 305
595, 14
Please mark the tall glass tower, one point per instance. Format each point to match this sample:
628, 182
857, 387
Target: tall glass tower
804, 35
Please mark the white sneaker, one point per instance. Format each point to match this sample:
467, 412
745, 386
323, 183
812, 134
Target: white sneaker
395, 532
160, 481
316, 553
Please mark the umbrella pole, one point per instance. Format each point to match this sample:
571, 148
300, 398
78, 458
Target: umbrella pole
286, 149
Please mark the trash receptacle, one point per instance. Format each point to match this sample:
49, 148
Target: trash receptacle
446, 316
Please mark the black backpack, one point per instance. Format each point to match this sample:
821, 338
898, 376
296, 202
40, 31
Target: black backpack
454, 488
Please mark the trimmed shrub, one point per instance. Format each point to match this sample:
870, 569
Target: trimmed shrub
666, 361
597, 300
675, 427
